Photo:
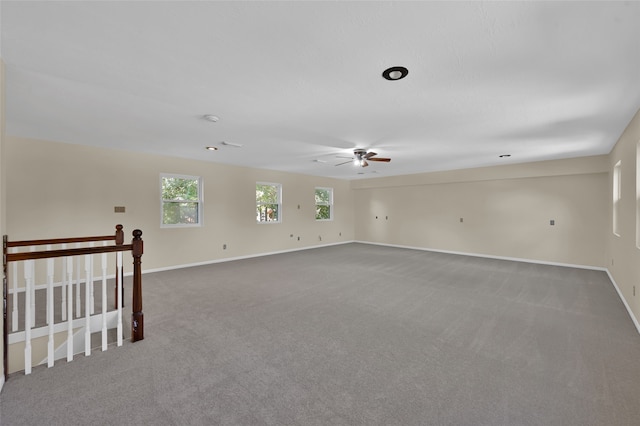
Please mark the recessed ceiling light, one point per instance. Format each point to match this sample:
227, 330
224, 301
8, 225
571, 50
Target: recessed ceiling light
211, 148
395, 73
505, 155
212, 118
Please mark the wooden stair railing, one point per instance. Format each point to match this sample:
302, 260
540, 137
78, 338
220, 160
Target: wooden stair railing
136, 248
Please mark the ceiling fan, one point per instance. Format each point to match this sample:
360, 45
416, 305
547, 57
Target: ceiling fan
361, 158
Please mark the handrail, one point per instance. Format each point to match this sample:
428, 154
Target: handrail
136, 248
59, 241
118, 237
47, 254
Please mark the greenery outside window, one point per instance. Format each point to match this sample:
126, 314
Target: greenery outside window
181, 200
324, 203
268, 202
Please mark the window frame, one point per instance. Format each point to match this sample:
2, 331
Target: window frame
199, 202
638, 195
329, 204
278, 203
617, 196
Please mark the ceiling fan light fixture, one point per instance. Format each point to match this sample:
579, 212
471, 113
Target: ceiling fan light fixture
395, 73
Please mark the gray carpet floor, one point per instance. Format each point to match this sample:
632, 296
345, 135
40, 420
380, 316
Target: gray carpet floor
355, 335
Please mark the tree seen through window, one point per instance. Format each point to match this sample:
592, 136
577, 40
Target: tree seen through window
181, 200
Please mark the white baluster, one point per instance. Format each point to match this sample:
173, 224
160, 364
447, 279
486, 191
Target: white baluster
14, 309
49, 269
28, 284
70, 309
87, 309
50, 320
93, 300
33, 290
104, 299
78, 299
119, 304
63, 288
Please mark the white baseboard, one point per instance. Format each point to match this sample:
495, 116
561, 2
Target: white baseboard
624, 301
488, 256
515, 259
231, 259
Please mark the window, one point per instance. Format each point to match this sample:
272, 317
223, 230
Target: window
181, 200
617, 196
324, 203
268, 202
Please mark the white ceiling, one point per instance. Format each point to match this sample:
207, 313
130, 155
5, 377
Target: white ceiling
294, 82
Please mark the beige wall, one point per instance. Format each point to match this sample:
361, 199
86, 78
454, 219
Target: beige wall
3, 194
623, 257
506, 211
58, 189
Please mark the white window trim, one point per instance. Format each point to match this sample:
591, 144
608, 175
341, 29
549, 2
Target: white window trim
279, 203
617, 196
330, 204
200, 201
638, 195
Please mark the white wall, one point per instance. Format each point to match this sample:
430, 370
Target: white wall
58, 190
506, 211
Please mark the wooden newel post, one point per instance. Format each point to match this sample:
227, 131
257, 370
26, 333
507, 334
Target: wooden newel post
137, 317
119, 242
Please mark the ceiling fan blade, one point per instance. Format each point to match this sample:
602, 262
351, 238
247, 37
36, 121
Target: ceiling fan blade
369, 155
386, 160
342, 156
364, 163
346, 162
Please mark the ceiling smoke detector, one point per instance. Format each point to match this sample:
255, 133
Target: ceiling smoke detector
225, 143
212, 118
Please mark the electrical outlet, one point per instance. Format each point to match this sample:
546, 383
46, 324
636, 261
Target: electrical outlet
461, 220
386, 217
224, 247
320, 237
298, 238
552, 222
340, 234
